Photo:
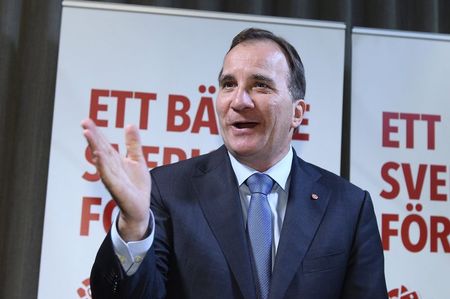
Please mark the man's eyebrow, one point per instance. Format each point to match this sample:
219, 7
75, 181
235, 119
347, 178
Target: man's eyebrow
255, 77
259, 77
226, 77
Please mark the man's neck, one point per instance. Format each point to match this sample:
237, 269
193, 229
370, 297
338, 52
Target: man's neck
279, 172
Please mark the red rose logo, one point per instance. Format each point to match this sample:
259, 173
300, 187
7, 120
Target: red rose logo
84, 292
402, 293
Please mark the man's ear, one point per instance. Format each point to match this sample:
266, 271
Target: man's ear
299, 110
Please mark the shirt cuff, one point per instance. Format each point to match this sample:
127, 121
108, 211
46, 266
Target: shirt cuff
132, 254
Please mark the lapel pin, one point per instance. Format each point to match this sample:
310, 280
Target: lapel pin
314, 196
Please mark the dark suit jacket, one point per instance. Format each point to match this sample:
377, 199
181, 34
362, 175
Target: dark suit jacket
329, 247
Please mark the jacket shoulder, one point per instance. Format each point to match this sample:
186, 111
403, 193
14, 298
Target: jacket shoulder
328, 178
190, 166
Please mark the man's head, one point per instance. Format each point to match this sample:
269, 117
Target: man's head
297, 82
260, 100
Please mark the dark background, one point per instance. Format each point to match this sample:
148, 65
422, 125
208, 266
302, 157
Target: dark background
28, 59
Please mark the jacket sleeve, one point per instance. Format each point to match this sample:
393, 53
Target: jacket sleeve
109, 280
365, 274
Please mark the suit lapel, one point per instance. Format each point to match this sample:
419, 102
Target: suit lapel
303, 216
218, 193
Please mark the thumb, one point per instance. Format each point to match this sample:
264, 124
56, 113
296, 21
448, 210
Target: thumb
133, 143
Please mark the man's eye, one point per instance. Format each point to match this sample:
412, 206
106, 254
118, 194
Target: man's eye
261, 85
227, 85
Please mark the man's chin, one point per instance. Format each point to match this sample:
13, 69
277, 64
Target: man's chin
243, 152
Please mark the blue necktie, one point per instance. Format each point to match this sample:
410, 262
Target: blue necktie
259, 231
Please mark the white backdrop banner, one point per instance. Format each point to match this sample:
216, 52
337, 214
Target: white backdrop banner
400, 152
157, 68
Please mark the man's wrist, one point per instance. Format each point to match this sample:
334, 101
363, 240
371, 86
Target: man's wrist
131, 254
131, 230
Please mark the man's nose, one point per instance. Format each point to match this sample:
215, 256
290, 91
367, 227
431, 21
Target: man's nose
242, 100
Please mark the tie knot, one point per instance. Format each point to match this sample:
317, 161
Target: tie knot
259, 183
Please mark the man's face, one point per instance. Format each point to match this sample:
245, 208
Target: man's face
256, 111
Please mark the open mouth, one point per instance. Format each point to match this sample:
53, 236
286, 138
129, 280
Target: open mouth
244, 125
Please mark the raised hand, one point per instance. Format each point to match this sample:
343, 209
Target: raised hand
126, 178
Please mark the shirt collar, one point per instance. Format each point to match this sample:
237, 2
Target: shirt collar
278, 172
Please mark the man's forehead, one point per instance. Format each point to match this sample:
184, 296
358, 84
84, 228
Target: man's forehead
264, 54
264, 47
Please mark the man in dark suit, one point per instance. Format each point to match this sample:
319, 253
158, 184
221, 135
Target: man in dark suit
249, 220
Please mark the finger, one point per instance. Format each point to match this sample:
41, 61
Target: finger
90, 133
133, 143
97, 141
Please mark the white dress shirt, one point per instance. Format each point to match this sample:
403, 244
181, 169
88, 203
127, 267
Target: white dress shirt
131, 254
